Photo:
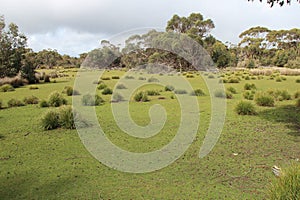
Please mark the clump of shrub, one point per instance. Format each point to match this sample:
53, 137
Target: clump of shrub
105, 78
31, 100
297, 95
153, 92
44, 104
129, 77
190, 76
223, 80
298, 103
117, 97
141, 97
101, 86
33, 87
197, 92
70, 91
121, 87
211, 76
233, 80
7, 88
263, 99
115, 77
220, 94
287, 185
142, 78
298, 81
59, 118
223, 94
66, 117
249, 95
278, 79
245, 108
249, 86
180, 91
107, 91
14, 103
50, 120
47, 79
152, 80
169, 88
88, 100
280, 95
56, 99
232, 90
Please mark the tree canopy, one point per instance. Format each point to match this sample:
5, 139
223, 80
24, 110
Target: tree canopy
280, 2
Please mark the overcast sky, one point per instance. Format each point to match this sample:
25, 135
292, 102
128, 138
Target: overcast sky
76, 26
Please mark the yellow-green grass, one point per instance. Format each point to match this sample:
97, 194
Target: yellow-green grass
37, 164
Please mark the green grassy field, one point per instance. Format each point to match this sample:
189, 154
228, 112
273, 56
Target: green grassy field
38, 164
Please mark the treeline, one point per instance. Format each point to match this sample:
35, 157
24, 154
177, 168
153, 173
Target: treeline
258, 46
16, 59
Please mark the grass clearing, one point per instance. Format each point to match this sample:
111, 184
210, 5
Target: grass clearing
38, 164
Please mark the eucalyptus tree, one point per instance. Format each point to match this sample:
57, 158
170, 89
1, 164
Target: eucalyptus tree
12, 47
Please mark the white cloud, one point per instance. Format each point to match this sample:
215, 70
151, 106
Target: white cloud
76, 26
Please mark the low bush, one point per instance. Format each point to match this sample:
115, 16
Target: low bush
287, 185
233, 80
180, 91
115, 77
129, 77
47, 79
197, 92
16, 81
141, 97
69, 91
66, 117
280, 95
88, 100
152, 92
152, 80
7, 88
117, 97
232, 90
31, 100
107, 91
220, 94
262, 99
33, 87
211, 76
249, 95
223, 80
190, 76
105, 78
223, 94
14, 103
50, 120
101, 86
298, 81
44, 104
249, 86
298, 103
169, 88
121, 87
245, 108
297, 95
278, 79
142, 78
56, 99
